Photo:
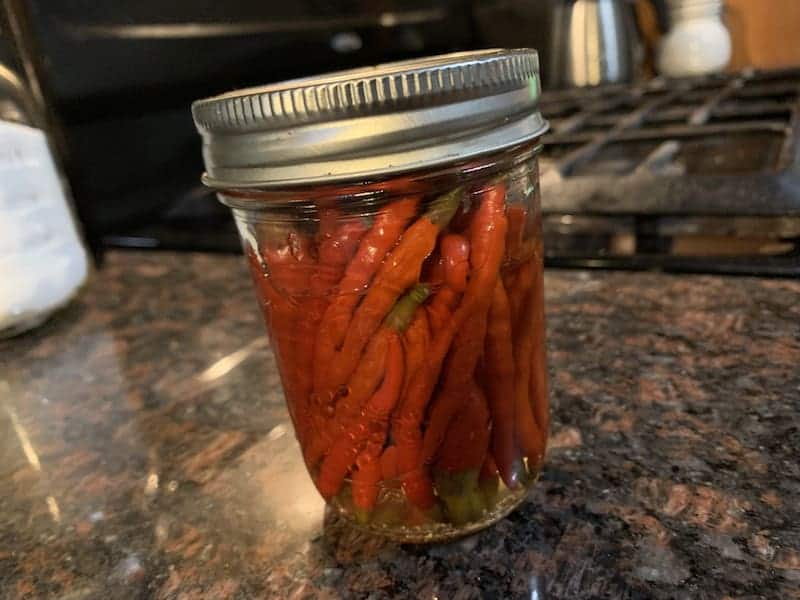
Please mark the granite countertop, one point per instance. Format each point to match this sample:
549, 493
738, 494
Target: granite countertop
145, 451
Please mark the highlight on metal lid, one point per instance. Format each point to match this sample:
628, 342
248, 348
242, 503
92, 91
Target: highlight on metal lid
371, 122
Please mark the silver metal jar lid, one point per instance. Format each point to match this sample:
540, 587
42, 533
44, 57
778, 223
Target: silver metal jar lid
371, 122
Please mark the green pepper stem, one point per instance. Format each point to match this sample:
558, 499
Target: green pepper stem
444, 207
399, 318
461, 496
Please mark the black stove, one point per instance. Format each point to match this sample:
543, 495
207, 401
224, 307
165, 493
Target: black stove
691, 175
694, 175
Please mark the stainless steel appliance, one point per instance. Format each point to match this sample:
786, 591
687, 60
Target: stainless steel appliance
593, 42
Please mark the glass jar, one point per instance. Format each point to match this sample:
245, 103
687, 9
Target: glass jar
400, 277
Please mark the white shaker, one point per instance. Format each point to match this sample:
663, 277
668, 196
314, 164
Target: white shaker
697, 43
42, 259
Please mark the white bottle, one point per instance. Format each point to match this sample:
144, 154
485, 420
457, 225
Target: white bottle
42, 259
698, 43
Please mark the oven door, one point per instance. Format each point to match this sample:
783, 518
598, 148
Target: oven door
120, 77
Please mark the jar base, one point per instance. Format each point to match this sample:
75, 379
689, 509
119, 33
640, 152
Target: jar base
437, 531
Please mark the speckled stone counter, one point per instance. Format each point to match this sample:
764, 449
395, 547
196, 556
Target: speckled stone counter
145, 451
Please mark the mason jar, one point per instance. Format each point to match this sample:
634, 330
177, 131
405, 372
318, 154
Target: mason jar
390, 217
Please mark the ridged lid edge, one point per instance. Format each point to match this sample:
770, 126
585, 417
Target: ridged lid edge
369, 91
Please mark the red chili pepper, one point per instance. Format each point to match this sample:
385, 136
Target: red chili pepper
450, 279
467, 439
367, 376
529, 434
539, 374
375, 419
457, 378
389, 470
338, 238
399, 271
489, 468
337, 249
277, 317
517, 217
455, 252
499, 370
367, 476
461, 459
487, 239
518, 294
348, 401
287, 266
489, 481
386, 230
415, 342
441, 308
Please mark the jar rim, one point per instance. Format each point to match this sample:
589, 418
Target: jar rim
380, 190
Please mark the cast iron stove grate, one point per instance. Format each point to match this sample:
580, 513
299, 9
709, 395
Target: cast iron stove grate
699, 175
